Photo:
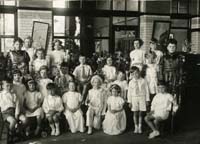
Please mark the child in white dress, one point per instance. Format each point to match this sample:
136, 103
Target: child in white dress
96, 101
160, 110
115, 119
53, 106
43, 81
109, 72
122, 83
57, 56
138, 98
40, 61
33, 105
72, 101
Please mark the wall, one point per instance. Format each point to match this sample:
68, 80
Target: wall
25, 23
146, 27
195, 35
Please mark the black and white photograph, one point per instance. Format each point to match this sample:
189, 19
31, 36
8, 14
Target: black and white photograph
99, 71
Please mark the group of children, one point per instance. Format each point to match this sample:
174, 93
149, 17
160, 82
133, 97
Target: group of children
35, 94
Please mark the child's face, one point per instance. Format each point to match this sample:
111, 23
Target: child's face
57, 46
31, 86
136, 44
7, 86
114, 92
153, 46
161, 89
40, 54
43, 73
136, 74
71, 86
27, 43
16, 77
171, 48
109, 61
96, 83
120, 76
82, 60
17, 45
64, 70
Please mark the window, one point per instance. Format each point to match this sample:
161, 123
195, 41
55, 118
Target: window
7, 31
7, 2
67, 29
180, 6
132, 5
60, 3
103, 4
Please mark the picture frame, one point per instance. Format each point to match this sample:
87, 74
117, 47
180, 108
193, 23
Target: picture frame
40, 34
161, 31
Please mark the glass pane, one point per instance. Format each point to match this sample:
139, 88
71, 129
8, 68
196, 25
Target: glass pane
119, 21
179, 23
60, 3
101, 27
74, 4
103, 4
59, 25
132, 5
183, 6
119, 5
101, 45
7, 2
7, 24
133, 21
180, 35
6, 44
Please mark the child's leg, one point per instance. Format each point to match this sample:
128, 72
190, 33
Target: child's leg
51, 123
56, 121
149, 120
140, 122
12, 122
135, 120
89, 119
39, 121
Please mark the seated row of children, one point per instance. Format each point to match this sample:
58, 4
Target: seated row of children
24, 102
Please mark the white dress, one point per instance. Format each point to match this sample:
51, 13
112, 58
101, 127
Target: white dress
109, 72
37, 63
151, 78
115, 124
57, 57
137, 57
75, 120
42, 84
32, 100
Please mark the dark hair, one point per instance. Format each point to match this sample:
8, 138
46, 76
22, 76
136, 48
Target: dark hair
18, 39
172, 41
134, 68
64, 64
30, 81
55, 41
141, 42
43, 68
115, 86
40, 49
7, 80
51, 86
16, 71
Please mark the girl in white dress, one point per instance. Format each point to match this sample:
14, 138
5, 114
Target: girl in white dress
115, 119
33, 105
72, 102
53, 106
96, 101
109, 72
40, 61
43, 81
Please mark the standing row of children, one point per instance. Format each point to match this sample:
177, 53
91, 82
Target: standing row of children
106, 97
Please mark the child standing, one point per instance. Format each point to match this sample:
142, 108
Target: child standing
33, 105
123, 84
138, 98
83, 73
96, 101
39, 61
62, 80
53, 106
109, 71
8, 105
43, 81
160, 109
115, 119
72, 101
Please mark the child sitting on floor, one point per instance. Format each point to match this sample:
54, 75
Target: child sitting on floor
160, 110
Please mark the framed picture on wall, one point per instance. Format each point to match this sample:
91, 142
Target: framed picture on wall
40, 34
161, 32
